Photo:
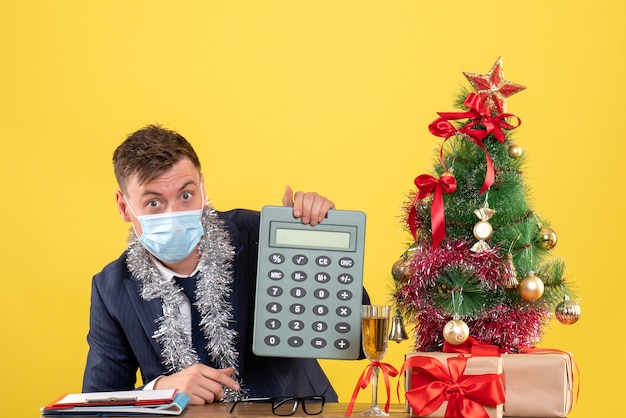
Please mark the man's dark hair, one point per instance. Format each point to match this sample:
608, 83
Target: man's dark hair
150, 152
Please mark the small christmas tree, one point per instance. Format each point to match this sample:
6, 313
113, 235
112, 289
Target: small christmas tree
480, 264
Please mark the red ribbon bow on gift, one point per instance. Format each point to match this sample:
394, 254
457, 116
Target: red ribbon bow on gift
433, 384
386, 369
427, 185
474, 347
482, 124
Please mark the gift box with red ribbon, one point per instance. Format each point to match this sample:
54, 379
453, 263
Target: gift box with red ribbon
454, 385
536, 383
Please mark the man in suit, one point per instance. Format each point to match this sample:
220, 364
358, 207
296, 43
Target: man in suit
178, 303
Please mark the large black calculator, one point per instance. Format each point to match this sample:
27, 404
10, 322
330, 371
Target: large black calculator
309, 285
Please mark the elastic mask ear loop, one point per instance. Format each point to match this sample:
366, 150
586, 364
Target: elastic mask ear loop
134, 214
130, 207
204, 199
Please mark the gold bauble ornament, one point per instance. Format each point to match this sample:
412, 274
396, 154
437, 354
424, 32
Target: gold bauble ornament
546, 238
455, 332
531, 287
567, 312
515, 151
400, 270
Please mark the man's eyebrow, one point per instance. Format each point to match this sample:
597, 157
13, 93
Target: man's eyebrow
188, 183
155, 193
150, 193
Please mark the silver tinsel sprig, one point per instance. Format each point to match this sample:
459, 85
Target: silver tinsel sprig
213, 286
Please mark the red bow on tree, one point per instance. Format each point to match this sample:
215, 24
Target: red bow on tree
427, 185
482, 123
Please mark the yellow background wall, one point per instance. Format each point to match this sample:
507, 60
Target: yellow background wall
333, 96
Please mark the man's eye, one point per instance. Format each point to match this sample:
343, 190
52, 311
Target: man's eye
186, 196
153, 204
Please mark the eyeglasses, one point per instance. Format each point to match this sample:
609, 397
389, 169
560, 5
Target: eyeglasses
285, 406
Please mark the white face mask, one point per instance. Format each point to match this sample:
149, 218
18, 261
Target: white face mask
170, 236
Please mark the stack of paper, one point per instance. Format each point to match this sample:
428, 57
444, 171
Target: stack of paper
121, 403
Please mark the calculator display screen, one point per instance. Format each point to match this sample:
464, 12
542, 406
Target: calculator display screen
312, 238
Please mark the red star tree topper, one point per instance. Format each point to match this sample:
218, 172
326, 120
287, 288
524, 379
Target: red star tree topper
492, 86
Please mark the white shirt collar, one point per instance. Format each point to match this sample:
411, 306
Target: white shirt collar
170, 274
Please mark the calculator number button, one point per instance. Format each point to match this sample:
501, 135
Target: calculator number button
296, 325
272, 340
319, 326
320, 310
274, 291
274, 307
321, 293
299, 259
297, 309
272, 324
298, 292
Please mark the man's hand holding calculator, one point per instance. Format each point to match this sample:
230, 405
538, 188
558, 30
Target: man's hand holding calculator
310, 207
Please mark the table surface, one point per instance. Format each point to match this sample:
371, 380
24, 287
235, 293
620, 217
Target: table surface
246, 410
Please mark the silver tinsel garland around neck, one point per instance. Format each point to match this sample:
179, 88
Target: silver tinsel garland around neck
212, 289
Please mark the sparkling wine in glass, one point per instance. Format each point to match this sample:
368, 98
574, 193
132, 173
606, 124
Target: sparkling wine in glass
375, 329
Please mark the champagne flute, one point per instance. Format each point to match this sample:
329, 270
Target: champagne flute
375, 328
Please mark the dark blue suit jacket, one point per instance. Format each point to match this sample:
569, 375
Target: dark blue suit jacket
122, 324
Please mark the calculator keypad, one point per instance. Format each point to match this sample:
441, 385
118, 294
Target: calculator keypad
308, 302
320, 293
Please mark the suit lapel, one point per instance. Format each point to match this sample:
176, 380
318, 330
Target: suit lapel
148, 311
